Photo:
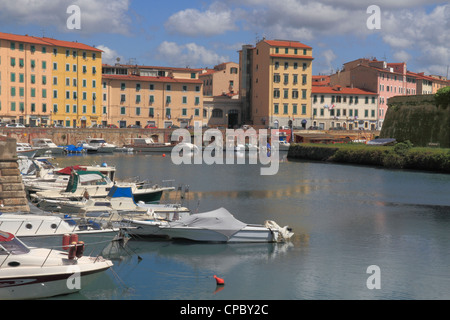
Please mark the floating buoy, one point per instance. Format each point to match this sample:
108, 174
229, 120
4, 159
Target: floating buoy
72, 250
80, 249
164, 155
219, 281
66, 241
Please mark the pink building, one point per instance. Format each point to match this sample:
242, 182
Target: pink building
385, 79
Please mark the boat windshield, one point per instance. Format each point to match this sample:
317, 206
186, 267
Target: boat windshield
13, 246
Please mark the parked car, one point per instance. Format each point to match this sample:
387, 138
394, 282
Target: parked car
113, 126
134, 126
150, 126
15, 125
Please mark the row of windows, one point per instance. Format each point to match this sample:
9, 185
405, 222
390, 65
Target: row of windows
343, 112
294, 94
287, 51
339, 99
184, 99
22, 63
22, 107
394, 89
277, 78
276, 108
123, 87
21, 47
22, 92
286, 65
151, 112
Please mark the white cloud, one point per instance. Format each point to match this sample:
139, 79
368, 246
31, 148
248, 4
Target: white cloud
216, 20
109, 16
188, 55
402, 56
110, 56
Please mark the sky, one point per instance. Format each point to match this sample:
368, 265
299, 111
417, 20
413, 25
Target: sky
200, 34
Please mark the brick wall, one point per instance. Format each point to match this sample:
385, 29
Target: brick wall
12, 192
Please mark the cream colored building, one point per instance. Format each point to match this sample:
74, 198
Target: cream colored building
276, 83
156, 96
344, 108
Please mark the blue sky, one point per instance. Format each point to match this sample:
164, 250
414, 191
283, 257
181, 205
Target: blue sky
204, 33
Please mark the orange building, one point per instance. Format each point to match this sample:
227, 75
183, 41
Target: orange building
25, 79
155, 96
276, 82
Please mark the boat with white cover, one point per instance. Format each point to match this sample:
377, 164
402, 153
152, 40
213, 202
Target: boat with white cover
221, 226
36, 273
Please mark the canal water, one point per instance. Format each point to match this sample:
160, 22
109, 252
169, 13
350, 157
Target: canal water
360, 233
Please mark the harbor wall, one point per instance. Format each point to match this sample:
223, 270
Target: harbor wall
419, 120
12, 192
68, 136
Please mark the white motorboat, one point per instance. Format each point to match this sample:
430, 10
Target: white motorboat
25, 150
119, 199
46, 146
101, 145
36, 273
87, 147
221, 226
93, 184
48, 231
148, 145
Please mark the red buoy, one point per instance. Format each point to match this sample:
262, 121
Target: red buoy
219, 281
66, 241
80, 249
72, 250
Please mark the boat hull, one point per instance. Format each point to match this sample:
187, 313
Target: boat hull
247, 234
49, 281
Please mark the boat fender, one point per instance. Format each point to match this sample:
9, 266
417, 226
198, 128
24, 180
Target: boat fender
80, 249
73, 238
66, 241
72, 250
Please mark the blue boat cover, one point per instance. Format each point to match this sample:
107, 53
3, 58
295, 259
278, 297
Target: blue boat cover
120, 192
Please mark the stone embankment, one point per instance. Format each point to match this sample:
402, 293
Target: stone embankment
12, 193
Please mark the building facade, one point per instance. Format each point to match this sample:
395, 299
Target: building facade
222, 105
76, 80
385, 79
25, 80
344, 108
49, 81
155, 96
276, 86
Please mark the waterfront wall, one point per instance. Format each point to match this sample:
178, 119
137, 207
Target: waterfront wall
417, 119
68, 136
12, 192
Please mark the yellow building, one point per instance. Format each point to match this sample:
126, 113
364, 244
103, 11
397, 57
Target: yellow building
76, 84
25, 80
46, 81
275, 84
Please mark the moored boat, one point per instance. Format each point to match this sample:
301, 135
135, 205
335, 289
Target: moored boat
36, 273
221, 226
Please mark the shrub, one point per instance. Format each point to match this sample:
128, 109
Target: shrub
442, 97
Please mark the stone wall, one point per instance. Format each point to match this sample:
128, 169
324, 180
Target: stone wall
12, 192
417, 119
